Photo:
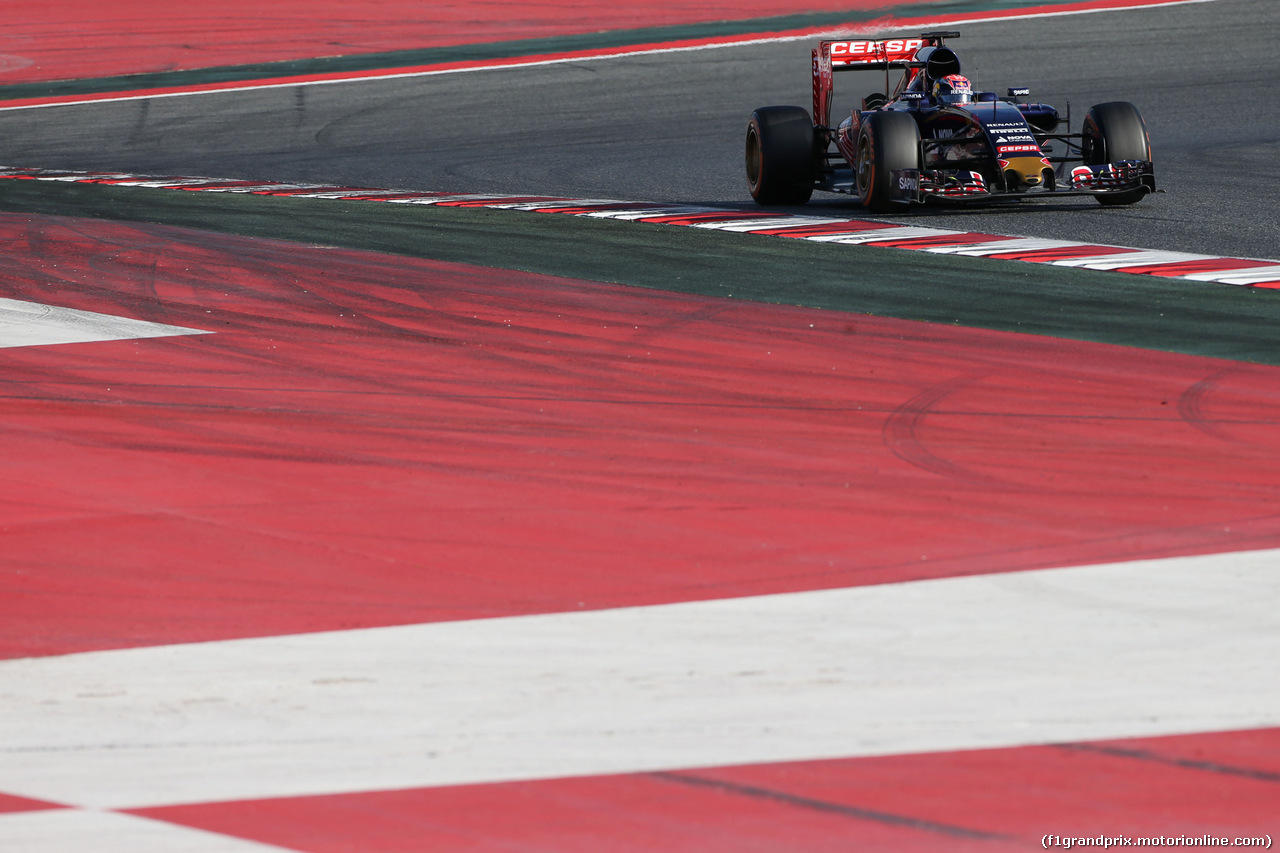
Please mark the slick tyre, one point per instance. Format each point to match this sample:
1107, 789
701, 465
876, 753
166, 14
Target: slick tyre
781, 155
1113, 132
887, 141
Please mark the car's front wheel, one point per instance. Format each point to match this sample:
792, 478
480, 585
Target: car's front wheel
1113, 132
781, 155
887, 141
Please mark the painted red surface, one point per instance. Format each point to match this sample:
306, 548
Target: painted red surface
372, 440
999, 799
9, 804
369, 440
88, 38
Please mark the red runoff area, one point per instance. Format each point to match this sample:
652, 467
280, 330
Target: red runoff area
89, 38
373, 440
982, 800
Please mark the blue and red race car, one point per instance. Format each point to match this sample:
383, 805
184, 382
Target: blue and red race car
936, 140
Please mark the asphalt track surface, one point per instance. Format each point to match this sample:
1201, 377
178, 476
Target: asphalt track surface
637, 447
669, 127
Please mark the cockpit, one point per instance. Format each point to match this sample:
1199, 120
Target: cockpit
933, 65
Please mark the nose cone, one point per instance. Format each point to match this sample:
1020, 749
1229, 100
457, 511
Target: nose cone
1025, 173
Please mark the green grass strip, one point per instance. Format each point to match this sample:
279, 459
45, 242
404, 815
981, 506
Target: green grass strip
1131, 310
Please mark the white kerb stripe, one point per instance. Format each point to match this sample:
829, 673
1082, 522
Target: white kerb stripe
1132, 259
1011, 244
1251, 275
901, 232
1110, 651
641, 212
797, 223
25, 324
428, 198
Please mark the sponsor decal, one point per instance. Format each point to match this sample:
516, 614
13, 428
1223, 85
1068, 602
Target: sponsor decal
1122, 175
953, 184
893, 50
822, 85
1018, 149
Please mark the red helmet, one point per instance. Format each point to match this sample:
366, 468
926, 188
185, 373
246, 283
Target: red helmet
952, 89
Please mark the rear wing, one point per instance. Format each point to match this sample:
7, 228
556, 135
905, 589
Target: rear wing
863, 55
847, 55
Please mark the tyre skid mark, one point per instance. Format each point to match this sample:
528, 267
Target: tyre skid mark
903, 429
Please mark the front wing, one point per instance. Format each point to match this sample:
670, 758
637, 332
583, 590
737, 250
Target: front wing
915, 186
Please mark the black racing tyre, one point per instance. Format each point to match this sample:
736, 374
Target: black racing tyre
781, 155
1115, 131
887, 141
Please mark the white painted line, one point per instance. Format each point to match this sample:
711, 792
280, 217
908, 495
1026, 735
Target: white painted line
77, 831
1085, 653
26, 324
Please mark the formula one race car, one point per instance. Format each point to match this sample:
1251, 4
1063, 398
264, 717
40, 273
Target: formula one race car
935, 140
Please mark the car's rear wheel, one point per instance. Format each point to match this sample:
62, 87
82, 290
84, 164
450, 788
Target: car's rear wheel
781, 155
887, 141
1113, 132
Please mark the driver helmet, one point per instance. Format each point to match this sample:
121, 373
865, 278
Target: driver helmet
952, 89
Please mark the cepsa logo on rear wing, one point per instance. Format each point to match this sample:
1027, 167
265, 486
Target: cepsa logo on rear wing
831, 56
871, 53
